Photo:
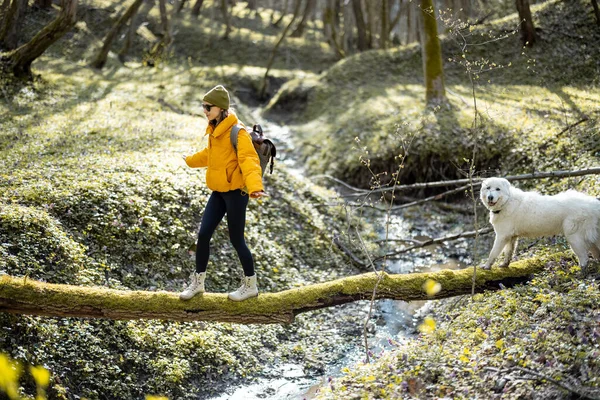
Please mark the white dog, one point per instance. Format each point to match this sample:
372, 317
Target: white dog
515, 213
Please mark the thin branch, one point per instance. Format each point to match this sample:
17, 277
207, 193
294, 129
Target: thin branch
534, 175
448, 238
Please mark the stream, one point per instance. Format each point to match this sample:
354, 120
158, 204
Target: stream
394, 321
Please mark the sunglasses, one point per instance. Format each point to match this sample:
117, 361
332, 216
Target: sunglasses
207, 107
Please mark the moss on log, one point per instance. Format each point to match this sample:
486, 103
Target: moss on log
25, 296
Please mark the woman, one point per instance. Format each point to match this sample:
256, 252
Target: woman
230, 176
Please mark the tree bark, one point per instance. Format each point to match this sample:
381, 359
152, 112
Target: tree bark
528, 36
308, 9
384, 23
432, 56
197, 7
361, 27
19, 60
330, 24
133, 25
100, 59
25, 296
596, 11
13, 20
226, 18
283, 12
162, 46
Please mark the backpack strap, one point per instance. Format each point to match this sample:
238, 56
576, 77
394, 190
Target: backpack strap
235, 130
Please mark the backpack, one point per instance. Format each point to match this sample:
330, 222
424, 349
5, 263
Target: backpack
264, 147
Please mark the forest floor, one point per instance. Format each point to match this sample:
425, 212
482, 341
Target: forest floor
93, 192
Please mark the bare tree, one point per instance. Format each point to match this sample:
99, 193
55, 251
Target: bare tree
361, 27
283, 12
226, 18
133, 25
102, 55
197, 7
263, 89
432, 56
384, 23
330, 26
528, 35
13, 20
19, 60
308, 10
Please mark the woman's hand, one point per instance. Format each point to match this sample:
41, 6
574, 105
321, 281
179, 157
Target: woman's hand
256, 195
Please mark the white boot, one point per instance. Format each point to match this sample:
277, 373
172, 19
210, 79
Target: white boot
247, 290
196, 286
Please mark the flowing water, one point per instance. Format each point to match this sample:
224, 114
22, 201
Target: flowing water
395, 321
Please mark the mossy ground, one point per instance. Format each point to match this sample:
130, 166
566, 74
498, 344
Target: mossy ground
93, 190
370, 108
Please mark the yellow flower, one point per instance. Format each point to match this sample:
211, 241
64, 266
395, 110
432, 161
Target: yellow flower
9, 376
427, 326
432, 287
41, 376
153, 397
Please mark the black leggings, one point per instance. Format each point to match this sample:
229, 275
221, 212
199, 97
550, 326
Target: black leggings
234, 204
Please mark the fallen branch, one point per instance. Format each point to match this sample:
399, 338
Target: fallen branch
25, 296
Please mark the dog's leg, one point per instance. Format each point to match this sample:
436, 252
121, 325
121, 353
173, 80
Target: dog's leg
509, 251
580, 249
499, 243
595, 249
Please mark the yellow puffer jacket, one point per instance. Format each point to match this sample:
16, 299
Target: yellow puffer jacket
226, 169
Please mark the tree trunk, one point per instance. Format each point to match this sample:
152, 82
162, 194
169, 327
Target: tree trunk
226, 18
596, 11
19, 61
162, 46
308, 9
133, 25
330, 28
349, 24
100, 59
384, 24
528, 36
283, 13
263, 89
361, 27
13, 21
432, 56
371, 22
4, 6
197, 7
26, 296
394, 21
180, 6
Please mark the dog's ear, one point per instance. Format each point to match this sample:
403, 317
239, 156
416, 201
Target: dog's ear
505, 184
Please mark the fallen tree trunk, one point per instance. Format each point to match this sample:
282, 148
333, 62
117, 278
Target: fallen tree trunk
24, 296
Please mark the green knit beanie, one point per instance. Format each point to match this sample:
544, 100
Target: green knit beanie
217, 96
